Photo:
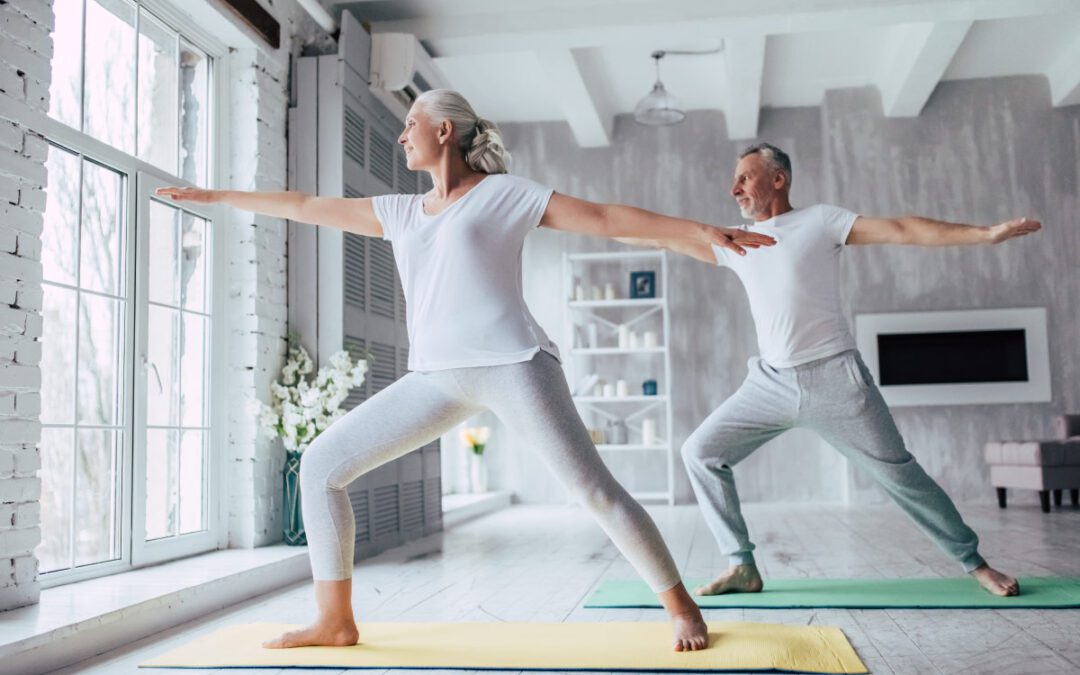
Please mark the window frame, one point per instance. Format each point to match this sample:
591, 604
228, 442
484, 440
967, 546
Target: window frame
137, 174
149, 552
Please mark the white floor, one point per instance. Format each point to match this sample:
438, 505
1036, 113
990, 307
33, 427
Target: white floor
540, 563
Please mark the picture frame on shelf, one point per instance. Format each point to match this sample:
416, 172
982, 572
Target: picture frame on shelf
643, 284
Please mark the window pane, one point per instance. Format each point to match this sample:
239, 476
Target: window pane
65, 103
109, 92
96, 504
194, 111
193, 369
101, 262
193, 258
164, 232
54, 551
158, 106
161, 483
58, 355
100, 354
192, 456
162, 381
60, 230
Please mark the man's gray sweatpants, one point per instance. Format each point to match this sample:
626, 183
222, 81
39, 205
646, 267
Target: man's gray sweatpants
836, 397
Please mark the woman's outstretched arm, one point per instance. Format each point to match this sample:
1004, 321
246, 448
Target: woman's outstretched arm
615, 221
354, 215
696, 250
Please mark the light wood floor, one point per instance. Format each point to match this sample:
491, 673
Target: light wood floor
539, 563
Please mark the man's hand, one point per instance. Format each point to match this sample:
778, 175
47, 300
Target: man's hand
1017, 227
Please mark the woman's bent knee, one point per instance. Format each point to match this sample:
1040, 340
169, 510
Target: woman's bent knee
315, 468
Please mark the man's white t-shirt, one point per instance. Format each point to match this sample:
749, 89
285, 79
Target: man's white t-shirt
461, 274
794, 286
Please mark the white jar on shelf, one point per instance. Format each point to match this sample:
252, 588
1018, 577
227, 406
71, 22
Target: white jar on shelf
648, 431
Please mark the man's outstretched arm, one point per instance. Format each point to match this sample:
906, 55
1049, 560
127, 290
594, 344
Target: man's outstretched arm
918, 231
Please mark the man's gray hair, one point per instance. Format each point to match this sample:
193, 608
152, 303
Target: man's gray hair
776, 158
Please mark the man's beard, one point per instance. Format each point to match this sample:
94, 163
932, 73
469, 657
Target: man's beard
752, 210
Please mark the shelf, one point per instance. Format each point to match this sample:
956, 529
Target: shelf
622, 302
624, 447
599, 351
619, 399
650, 495
615, 255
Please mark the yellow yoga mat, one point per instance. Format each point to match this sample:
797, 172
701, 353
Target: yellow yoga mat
531, 646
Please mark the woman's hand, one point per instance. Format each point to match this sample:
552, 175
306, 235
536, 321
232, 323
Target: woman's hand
735, 239
189, 194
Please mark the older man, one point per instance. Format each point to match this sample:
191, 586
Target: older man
809, 373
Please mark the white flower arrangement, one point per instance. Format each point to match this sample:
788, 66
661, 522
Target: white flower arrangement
475, 438
303, 407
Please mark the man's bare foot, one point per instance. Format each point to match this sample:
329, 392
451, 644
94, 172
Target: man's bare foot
737, 579
996, 582
690, 631
338, 635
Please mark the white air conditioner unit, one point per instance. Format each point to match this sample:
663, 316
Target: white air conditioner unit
401, 70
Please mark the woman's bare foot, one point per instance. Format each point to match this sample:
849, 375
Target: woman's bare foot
996, 582
335, 625
737, 579
317, 635
687, 625
689, 631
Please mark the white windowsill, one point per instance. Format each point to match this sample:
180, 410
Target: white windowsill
79, 620
458, 509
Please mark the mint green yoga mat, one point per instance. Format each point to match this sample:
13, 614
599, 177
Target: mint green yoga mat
1035, 592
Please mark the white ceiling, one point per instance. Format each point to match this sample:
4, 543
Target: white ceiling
584, 61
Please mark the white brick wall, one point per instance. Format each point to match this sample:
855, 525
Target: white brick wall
257, 295
25, 50
255, 283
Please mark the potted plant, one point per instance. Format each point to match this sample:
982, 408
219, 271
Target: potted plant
475, 439
303, 407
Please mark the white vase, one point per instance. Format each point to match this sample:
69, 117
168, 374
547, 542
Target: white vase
478, 473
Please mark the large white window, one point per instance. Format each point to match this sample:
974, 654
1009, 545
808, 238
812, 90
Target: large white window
130, 312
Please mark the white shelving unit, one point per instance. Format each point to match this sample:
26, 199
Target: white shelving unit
609, 314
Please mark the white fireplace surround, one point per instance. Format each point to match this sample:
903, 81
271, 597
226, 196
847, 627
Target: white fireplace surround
1032, 320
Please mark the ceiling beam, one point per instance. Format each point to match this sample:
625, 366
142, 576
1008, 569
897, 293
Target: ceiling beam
589, 119
921, 52
744, 65
1064, 76
652, 26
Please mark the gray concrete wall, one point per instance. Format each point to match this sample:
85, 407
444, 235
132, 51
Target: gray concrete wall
982, 151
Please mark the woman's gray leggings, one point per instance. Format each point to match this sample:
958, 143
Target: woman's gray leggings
531, 398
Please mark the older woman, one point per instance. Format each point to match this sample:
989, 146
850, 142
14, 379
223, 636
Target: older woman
473, 344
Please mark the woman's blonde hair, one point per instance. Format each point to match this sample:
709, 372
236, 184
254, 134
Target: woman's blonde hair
478, 139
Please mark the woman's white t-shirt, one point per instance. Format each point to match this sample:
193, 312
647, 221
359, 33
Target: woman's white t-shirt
461, 274
794, 286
